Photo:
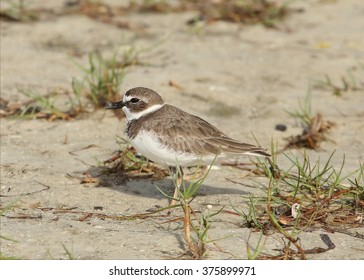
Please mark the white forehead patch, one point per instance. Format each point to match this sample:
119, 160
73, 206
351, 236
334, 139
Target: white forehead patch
126, 98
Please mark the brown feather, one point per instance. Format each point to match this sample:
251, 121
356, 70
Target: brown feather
182, 131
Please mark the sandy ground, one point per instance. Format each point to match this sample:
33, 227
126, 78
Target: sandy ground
252, 72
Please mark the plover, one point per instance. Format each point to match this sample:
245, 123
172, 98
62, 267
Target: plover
171, 137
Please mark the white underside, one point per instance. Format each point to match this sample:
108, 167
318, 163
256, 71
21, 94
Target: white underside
148, 145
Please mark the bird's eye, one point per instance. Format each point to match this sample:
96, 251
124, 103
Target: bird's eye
134, 100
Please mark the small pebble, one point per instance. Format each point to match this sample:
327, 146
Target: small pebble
281, 127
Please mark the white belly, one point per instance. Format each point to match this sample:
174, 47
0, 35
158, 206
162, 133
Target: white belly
149, 146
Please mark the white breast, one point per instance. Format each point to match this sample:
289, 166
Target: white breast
149, 146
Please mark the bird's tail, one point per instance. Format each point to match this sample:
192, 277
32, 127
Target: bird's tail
258, 152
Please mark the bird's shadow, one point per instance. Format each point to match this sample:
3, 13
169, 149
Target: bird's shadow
149, 186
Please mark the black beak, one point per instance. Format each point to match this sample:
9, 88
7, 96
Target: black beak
115, 105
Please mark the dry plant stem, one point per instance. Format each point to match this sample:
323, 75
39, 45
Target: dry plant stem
274, 224
187, 228
187, 217
316, 132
